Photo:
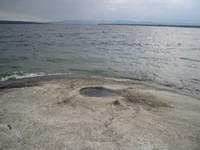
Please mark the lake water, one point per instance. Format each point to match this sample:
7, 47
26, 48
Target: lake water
167, 56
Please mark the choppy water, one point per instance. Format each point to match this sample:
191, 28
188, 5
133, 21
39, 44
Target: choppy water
168, 56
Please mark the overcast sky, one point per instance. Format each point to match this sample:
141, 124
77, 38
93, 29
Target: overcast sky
166, 11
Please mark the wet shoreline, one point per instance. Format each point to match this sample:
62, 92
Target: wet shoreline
33, 81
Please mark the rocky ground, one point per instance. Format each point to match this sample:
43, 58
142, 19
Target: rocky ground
53, 115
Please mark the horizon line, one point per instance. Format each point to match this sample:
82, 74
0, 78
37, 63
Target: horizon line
80, 22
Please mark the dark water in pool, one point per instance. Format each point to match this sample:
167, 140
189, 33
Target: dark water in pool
166, 56
96, 92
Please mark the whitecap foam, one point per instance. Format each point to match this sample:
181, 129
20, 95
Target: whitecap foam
21, 75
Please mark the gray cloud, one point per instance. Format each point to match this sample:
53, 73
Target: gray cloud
135, 10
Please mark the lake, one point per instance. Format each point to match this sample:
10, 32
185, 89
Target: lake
166, 56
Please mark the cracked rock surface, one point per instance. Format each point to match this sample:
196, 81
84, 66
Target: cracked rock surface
53, 115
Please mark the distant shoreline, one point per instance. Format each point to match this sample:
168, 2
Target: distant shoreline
20, 22
154, 25
116, 24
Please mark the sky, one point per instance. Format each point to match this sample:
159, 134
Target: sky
155, 11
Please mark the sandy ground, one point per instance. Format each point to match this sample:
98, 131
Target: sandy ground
53, 115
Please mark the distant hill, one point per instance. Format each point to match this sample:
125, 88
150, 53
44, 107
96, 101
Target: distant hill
158, 25
135, 23
19, 22
126, 22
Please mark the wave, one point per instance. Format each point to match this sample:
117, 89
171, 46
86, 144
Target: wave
190, 59
20, 75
